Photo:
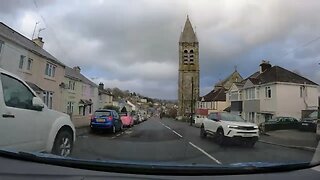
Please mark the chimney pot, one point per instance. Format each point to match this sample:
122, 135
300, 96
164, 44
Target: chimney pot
265, 65
101, 86
38, 41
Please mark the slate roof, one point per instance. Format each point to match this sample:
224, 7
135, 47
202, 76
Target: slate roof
223, 82
12, 35
215, 95
103, 91
73, 74
279, 74
188, 35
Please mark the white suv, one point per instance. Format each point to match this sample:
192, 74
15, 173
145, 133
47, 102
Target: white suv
26, 123
226, 126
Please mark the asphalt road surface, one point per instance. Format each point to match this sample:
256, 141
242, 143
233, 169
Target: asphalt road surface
170, 141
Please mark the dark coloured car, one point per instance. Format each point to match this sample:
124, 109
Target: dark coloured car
280, 123
309, 123
106, 119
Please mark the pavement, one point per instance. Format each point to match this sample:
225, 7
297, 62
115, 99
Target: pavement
174, 142
291, 138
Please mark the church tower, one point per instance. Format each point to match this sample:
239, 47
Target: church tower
188, 90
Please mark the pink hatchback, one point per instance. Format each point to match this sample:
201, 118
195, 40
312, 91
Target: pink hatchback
127, 119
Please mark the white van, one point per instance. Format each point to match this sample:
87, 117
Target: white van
26, 123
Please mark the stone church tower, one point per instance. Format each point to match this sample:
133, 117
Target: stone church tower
188, 91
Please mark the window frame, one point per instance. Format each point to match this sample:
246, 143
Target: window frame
50, 70
268, 92
29, 64
21, 62
23, 85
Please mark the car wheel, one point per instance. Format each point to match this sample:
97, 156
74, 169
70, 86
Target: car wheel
114, 130
220, 138
63, 144
203, 133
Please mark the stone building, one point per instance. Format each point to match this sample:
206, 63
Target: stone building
188, 90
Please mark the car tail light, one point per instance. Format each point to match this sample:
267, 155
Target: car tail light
110, 118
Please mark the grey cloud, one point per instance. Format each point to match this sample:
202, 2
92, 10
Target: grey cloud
132, 42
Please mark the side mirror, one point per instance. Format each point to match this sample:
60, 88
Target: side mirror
37, 104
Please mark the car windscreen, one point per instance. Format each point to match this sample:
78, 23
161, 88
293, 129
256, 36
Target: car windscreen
102, 113
231, 117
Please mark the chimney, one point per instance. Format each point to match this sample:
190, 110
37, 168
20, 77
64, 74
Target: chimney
101, 86
38, 41
77, 69
264, 66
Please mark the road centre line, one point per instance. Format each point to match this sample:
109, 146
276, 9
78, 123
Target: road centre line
205, 153
172, 130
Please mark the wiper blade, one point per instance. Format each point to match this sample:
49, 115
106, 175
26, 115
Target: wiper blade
154, 168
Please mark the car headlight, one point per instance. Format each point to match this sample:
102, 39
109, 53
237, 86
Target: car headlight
234, 127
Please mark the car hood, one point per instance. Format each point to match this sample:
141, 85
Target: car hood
56, 114
236, 123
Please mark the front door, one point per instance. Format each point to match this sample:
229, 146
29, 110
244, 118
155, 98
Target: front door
17, 119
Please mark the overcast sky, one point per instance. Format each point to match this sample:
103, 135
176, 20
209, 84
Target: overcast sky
133, 44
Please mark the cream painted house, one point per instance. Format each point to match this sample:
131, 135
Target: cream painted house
105, 97
272, 92
27, 59
215, 100
80, 94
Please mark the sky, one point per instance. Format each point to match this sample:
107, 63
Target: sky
133, 44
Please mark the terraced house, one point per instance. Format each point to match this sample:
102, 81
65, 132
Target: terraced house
80, 95
27, 59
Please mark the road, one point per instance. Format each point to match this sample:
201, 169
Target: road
170, 141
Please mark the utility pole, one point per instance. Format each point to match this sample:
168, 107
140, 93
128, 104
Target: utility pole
191, 105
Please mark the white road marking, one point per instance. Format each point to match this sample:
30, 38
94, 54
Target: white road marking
205, 153
172, 130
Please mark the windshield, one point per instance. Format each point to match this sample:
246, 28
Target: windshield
231, 117
174, 82
102, 113
314, 115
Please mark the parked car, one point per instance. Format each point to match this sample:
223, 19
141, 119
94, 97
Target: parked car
136, 119
127, 119
279, 123
27, 124
106, 119
309, 123
224, 126
198, 120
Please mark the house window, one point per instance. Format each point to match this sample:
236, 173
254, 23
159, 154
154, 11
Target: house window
250, 93
47, 98
21, 61
268, 92
50, 70
303, 91
72, 85
234, 96
29, 64
258, 94
70, 107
